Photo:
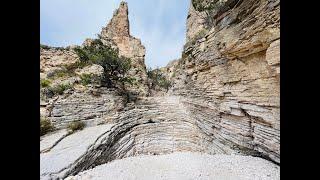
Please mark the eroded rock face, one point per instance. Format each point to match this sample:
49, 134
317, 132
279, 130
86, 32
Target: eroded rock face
195, 22
230, 77
52, 58
92, 103
224, 99
91, 107
118, 31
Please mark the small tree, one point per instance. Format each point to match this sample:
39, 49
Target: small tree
115, 67
158, 79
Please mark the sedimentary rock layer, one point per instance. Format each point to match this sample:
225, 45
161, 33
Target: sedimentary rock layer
152, 126
230, 76
224, 99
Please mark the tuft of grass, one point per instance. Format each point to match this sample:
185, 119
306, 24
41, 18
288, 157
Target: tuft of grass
45, 83
90, 79
86, 79
65, 72
76, 65
76, 125
45, 126
59, 89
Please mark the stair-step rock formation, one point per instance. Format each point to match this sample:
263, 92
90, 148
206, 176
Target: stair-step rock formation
85, 106
224, 98
90, 104
230, 76
152, 126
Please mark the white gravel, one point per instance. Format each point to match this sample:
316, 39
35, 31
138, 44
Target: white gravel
184, 166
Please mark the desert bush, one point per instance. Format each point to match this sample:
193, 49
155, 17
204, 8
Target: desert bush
90, 79
72, 67
59, 73
59, 89
76, 125
115, 67
158, 79
45, 83
45, 126
86, 79
44, 46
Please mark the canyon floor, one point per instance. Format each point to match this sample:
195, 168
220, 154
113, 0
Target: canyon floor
214, 113
180, 154
184, 166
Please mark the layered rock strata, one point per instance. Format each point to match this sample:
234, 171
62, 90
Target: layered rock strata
230, 77
90, 104
152, 126
224, 99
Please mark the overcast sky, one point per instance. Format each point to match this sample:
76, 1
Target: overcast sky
160, 24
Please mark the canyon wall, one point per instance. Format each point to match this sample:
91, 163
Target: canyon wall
230, 75
90, 103
224, 99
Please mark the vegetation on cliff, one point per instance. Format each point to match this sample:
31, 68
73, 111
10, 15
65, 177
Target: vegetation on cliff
115, 66
158, 80
45, 126
75, 125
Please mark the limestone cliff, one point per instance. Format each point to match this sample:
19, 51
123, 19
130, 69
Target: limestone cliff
118, 31
90, 103
224, 98
230, 76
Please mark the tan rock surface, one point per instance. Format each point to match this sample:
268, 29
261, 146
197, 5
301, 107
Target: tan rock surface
225, 97
233, 73
118, 31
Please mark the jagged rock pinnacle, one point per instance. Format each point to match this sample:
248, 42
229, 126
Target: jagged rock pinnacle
119, 24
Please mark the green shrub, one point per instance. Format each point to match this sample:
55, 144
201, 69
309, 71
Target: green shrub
201, 5
59, 73
76, 65
158, 79
86, 79
59, 89
44, 46
129, 80
115, 67
76, 125
90, 79
45, 126
45, 83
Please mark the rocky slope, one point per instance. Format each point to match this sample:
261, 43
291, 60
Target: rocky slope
224, 98
91, 103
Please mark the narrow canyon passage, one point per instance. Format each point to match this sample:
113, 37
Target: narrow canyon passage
217, 104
